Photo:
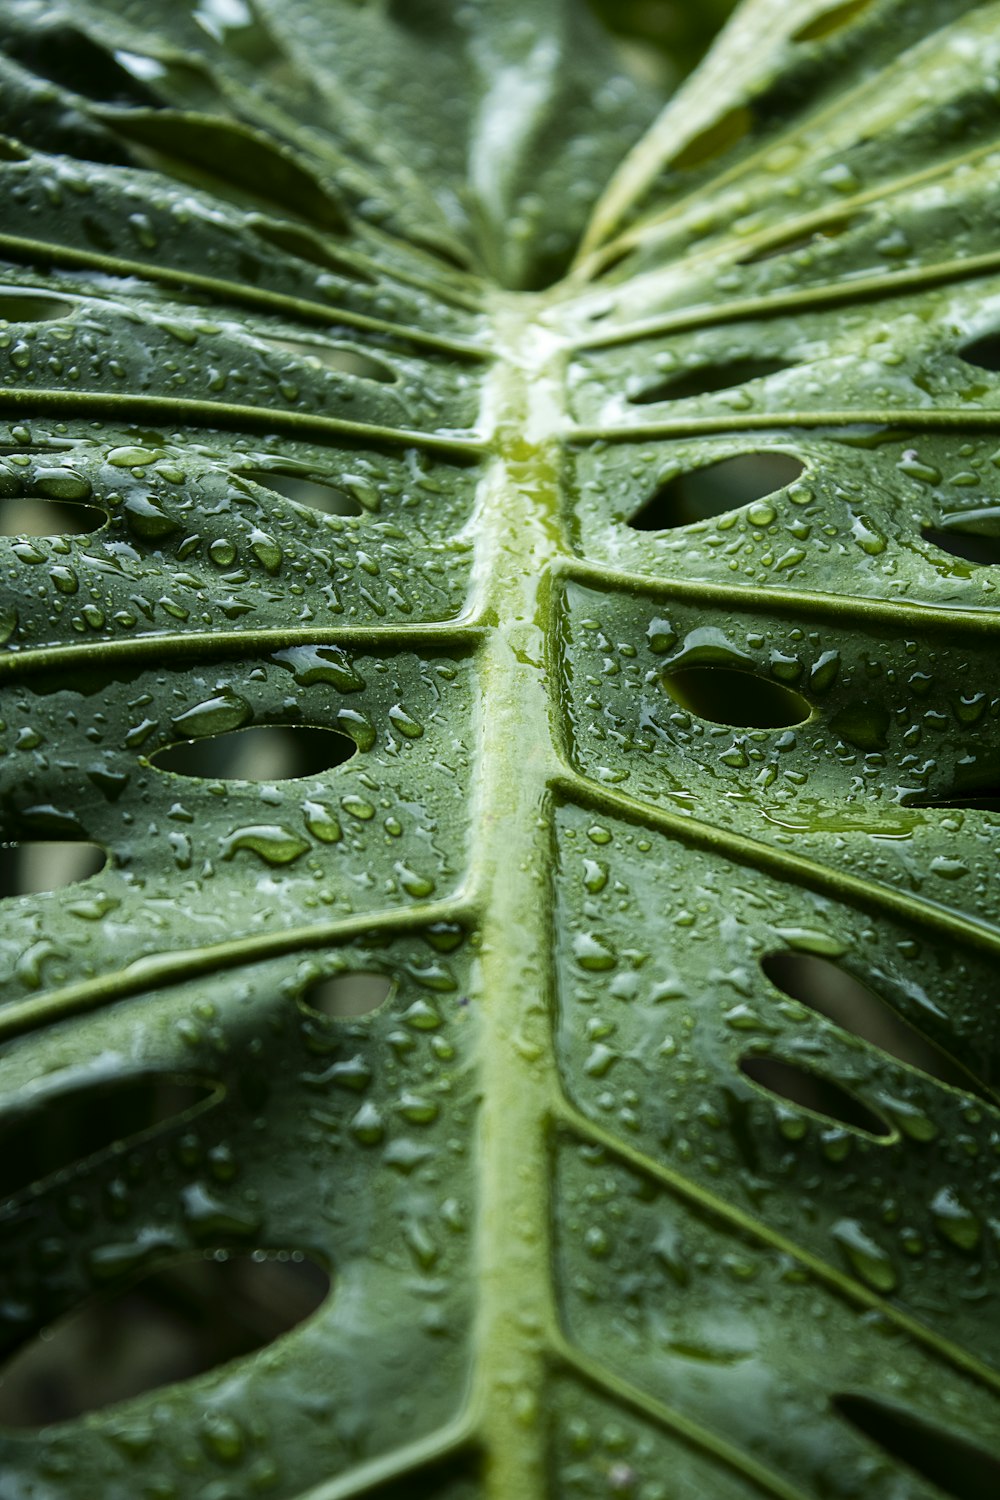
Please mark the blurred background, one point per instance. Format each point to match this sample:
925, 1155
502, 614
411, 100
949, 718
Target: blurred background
663, 39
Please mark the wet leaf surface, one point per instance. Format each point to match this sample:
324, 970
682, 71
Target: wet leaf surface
499, 726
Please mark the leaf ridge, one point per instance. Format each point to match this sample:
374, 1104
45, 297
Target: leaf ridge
623, 1392
170, 967
858, 608
840, 884
953, 1354
228, 415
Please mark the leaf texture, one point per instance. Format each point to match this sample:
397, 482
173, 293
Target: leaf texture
599, 986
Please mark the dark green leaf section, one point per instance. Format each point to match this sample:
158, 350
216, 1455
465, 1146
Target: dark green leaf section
235, 458
492, 106
283, 1163
190, 542
835, 788
343, 842
651, 623
769, 94
903, 1212
689, 1343
473, 135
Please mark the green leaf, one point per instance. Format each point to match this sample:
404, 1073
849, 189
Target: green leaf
501, 749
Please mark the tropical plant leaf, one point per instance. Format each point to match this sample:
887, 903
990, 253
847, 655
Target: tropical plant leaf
536, 715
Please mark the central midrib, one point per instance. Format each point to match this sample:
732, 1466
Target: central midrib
519, 534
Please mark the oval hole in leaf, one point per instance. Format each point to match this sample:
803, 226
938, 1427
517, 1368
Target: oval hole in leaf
957, 1466
810, 1091
29, 515
18, 305
716, 488
831, 229
983, 352
686, 384
972, 792
331, 357
827, 988
31, 866
56, 1130
722, 135
353, 994
830, 21
269, 752
743, 699
977, 547
171, 1325
323, 497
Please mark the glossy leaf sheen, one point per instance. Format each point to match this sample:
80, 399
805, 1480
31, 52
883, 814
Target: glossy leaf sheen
352, 360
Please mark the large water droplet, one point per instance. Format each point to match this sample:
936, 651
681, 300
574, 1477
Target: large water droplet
866, 1258
216, 715
274, 844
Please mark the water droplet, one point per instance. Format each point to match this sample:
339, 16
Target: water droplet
867, 536
357, 807
423, 1248
216, 715
417, 1109
414, 884
367, 1127
222, 1436
65, 580
309, 664
147, 519
274, 844
596, 1242
762, 514
867, 1259
322, 822
267, 552
208, 1217
955, 1221
422, 1016
61, 484
132, 458
404, 723
593, 953
359, 726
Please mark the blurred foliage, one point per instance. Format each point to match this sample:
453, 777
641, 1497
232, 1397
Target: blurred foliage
664, 39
